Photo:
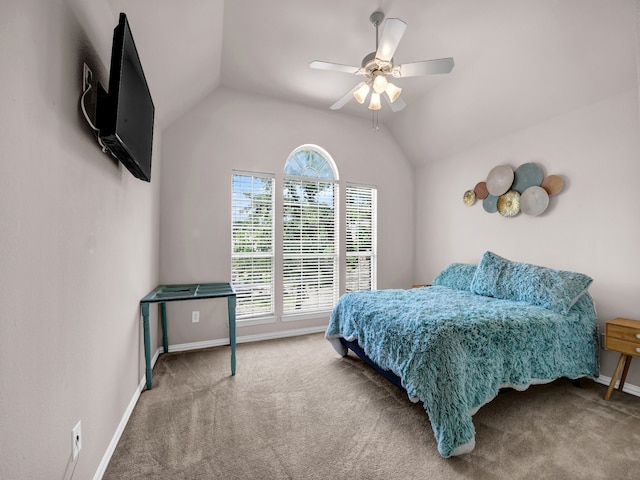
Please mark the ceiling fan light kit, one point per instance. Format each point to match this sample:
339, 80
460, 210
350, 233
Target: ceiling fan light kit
380, 83
377, 65
375, 104
361, 92
393, 92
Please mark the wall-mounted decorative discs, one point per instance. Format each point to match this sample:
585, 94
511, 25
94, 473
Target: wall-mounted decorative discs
469, 197
552, 184
534, 200
527, 175
499, 180
509, 204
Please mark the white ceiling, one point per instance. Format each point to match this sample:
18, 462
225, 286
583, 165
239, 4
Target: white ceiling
506, 51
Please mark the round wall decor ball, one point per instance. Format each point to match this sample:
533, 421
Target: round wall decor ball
527, 175
499, 180
481, 190
490, 204
534, 200
469, 197
509, 204
553, 184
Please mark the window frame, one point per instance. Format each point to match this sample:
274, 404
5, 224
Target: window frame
311, 252
338, 260
254, 315
361, 250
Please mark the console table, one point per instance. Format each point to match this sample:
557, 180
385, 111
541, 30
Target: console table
194, 291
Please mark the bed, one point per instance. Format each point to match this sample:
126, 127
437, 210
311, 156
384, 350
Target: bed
478, 328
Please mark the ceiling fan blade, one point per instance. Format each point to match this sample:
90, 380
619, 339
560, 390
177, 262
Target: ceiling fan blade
344, 99
335, 67
426, 67
391, 35
396, 106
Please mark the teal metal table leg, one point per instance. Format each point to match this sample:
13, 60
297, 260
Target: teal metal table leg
232, 331
147, 343
165, 336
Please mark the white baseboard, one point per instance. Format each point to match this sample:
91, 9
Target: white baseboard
628, 388
106, 458
183, 347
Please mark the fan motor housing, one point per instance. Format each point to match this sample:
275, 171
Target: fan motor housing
371, 65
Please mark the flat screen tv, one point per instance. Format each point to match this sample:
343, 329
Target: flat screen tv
124, 115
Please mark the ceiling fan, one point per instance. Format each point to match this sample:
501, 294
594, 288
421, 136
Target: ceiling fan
377, 65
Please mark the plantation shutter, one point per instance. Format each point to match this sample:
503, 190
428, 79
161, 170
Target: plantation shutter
360, 241
252, 256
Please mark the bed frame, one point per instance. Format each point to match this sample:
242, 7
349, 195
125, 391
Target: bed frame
392, 377
355, 348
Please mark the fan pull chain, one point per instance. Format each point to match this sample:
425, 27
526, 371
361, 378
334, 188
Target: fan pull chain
375, 125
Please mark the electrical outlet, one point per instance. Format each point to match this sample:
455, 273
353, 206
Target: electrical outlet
87, 76
195, 317
76, 440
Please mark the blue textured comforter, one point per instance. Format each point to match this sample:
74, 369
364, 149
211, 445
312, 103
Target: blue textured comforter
454, 350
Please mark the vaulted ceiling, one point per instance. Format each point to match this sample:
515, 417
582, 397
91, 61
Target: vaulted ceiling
517, 61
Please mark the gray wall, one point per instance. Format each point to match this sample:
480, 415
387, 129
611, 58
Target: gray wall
78, 249
590, 227
231, 130
586, 131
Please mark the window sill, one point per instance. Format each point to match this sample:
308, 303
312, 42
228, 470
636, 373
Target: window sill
293, 317
249, 322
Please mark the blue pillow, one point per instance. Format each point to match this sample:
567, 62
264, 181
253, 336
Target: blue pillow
456, 275
555, 290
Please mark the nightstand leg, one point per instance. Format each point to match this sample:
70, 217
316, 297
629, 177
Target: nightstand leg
615, 376
627, 364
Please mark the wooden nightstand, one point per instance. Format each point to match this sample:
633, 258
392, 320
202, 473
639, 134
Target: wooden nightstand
622, 335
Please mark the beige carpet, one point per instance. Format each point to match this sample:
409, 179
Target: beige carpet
297, 410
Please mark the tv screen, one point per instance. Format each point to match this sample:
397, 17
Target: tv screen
125, 114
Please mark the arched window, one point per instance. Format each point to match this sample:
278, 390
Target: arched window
309, 259
310, 237
311, 161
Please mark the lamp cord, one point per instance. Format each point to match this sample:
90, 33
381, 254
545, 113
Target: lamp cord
105, 149
73, 472
84, 110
